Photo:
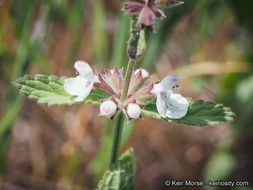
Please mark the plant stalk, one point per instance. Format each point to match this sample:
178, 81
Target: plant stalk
129, 71
115, 150
117, 133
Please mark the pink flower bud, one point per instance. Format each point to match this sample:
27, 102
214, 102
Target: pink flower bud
108, 109
146, 17
133, 111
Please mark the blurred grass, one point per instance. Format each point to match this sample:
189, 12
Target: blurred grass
100, 36
119, 57
164, 29
29, 45
75, 21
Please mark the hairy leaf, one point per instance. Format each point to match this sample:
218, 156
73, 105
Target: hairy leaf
120, 175
49, 90
199, 113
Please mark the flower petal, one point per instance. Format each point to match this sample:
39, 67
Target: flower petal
132, 7
78, 86
176, 114
161, 103
166, 84
85, 70
157, 88
179, 101
171, 105
169, 82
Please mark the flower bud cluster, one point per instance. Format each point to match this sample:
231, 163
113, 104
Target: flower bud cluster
141, 89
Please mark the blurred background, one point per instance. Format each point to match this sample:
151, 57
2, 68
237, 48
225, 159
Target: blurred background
209, 43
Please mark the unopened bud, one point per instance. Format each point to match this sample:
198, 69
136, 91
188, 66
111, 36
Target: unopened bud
108, 109
133, 111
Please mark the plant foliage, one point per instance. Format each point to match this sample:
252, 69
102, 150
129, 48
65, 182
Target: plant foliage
120, 175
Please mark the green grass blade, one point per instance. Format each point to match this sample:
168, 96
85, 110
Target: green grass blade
75, 20
99, 31
120, 41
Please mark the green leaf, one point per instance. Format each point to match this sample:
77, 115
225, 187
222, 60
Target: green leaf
50, 90
121, 36
121, 175
199, 113
99, 31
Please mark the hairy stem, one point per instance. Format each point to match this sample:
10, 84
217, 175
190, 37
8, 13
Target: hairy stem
129, 71
115, 150
120, 116
133, 56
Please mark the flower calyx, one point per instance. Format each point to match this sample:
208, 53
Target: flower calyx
147, 10
139, 90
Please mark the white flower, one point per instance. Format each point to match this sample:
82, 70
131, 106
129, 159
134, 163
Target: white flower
81, 85
144, 72
170, 104
108, 109
133, 111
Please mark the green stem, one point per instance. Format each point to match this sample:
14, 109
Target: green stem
129, 71
132, 50
115, 150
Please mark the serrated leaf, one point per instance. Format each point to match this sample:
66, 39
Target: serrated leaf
121, 175
199, 113
50, 90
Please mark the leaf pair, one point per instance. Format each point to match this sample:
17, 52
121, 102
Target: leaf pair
49, 90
